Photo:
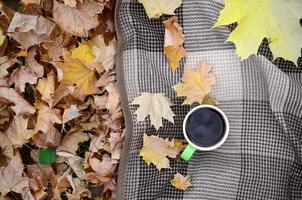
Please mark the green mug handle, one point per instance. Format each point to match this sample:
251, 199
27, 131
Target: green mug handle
188, 152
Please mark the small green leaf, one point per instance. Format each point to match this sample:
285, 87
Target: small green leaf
47, 156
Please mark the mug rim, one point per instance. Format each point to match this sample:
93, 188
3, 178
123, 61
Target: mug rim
222, 140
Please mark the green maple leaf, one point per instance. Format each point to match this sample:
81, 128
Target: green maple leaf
276, 20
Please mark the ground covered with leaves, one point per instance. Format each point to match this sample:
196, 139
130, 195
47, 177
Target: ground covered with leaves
61, 124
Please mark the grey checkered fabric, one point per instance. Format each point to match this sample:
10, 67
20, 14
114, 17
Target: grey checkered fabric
261, 159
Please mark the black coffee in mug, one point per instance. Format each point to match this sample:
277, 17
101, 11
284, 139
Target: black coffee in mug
205, 127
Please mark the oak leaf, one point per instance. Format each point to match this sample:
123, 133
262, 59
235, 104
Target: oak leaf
276, 20
181, 182
20, 77
30, 30
18, 132
196, 84
46, 87
155, 8
174, 40
21, 105
77, 21
156, 105
75, 72
11, 178
156, 150
71, 141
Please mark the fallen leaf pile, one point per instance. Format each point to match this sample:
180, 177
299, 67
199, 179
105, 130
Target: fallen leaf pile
61, 124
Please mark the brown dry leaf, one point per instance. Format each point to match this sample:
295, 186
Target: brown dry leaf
78, 189
20, 77
18, 132
105, 79
98, 143
47, 117
5, 63
11, 178
180, 145
174, 40
46, 87
32, 63
156, 105
100, 101
21, 105
62, 91
71, 3
196, 84
156, 150
104, 54
70, 114
113, 103
104, 168
71, 141
30, 30
26, 2
54, 48
181, 182
75, 72
7, 150
77, 21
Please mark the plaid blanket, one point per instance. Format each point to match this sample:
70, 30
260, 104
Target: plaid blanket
261, 159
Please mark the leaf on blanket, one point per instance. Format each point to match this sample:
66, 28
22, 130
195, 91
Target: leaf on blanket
155, 8
18, 133
276, 20
21, 105
156, 150
174, 39
156, 105
181, 182
77, 21
196, 84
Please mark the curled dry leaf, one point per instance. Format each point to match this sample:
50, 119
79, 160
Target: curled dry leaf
78, 189
70, 114
156, 150
71, 141
77, 21
30, 30
22, 76
174, 40
11, 178
46, 87
32, 63
18, 132
156, 105
155, 8
181, 182
196, 84
21, 105
5, 63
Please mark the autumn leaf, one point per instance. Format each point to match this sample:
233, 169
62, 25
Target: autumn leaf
174, 39
83, 52
26, 2
71, 3
276, 20
75, 72
46, 87
181, 182
21, 105
30, 30
196, 84
2, 36
54, 48
77, 21
156, 150
70, 114
5, 63
32, 63
47, 117
11, 178
104, 54
22, 76
79, 191
155, 8
103, 168
18, 132
156, 105
71, 141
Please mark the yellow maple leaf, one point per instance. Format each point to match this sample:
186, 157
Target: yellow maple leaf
155, 8
83, 52
156, 105
156, 150
75, 72
174, 39
276, 20
181, 182
196, 84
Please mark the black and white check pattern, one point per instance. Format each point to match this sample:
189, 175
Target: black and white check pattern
262, 157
